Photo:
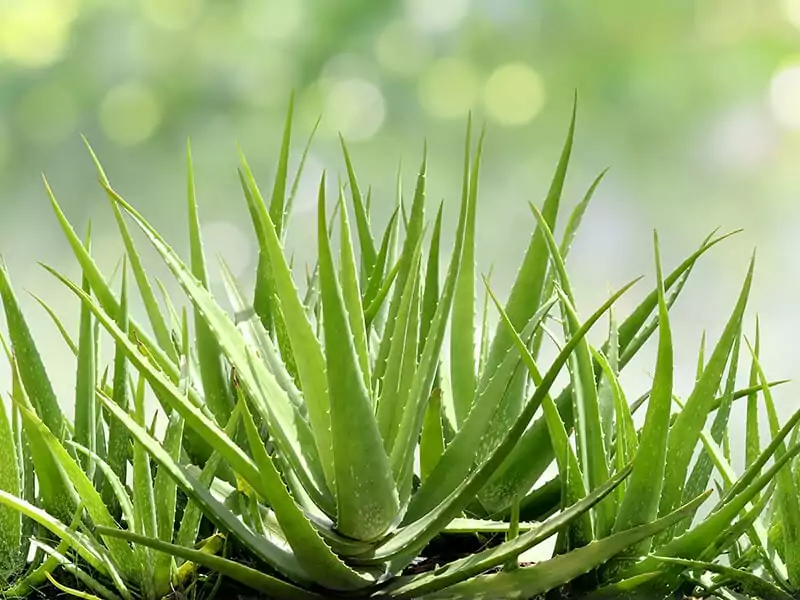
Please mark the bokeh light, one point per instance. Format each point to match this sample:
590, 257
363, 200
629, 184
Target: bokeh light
130, 114
436, 16
514, 94
400, 50
174, 15
448, 89
354, 107
784, 96
35, 33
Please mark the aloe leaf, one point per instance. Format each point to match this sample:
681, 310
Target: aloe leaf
574, 489
306, 348
85, 403
705, 463
118, 438
694, 542
309, 548
462, 324
10, 521
253, 372
534, 453
277, 204
31, 369
544, 576
752, 585
412, 538
402, 358
685, 432
376, 279
215, 385
81, 543
570, 231
586, 407
90, 498
115, 484
460, 454
275, 554
298, 175
367, 243
352, 296
152, 309
405, 264
165, 497
787, 492
366, 496
163, 351
752, 435
248, 576
643, 494
58, 323
57, 496
528, 289
465, 568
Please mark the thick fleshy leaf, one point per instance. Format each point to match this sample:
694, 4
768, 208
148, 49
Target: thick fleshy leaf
250, 577
586, 406
685, 432
406, 543
366, 241
366, 497
309, 548
215, 383
306, 348
544, 576
788, 499
462, 326
10, 482
85, 402
31, 368
484, 560
642, 497
526, 464
270, 550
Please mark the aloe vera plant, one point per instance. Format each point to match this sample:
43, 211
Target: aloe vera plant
318, 430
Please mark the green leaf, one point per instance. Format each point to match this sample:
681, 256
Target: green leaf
406, 543
118, 439
352, 296
752, 442
752, 585
165, 497
685, 431
367, 243
90, 498
787, 492
527, 292
250, 577
58, 323
298, 174
586, 407
460, 454
366, 496
215, 384
85, 403
277, 203
309, 548
642, 497
479, 562
93, 274
528, 582
305, 346
405, 263
579, 532
462, 324
272, 552
31, 368
10, 522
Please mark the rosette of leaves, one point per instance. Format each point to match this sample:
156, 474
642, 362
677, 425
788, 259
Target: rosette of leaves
320, 430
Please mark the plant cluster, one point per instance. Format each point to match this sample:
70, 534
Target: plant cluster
313, 443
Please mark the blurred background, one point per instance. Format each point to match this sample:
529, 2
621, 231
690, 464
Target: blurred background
695, 106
